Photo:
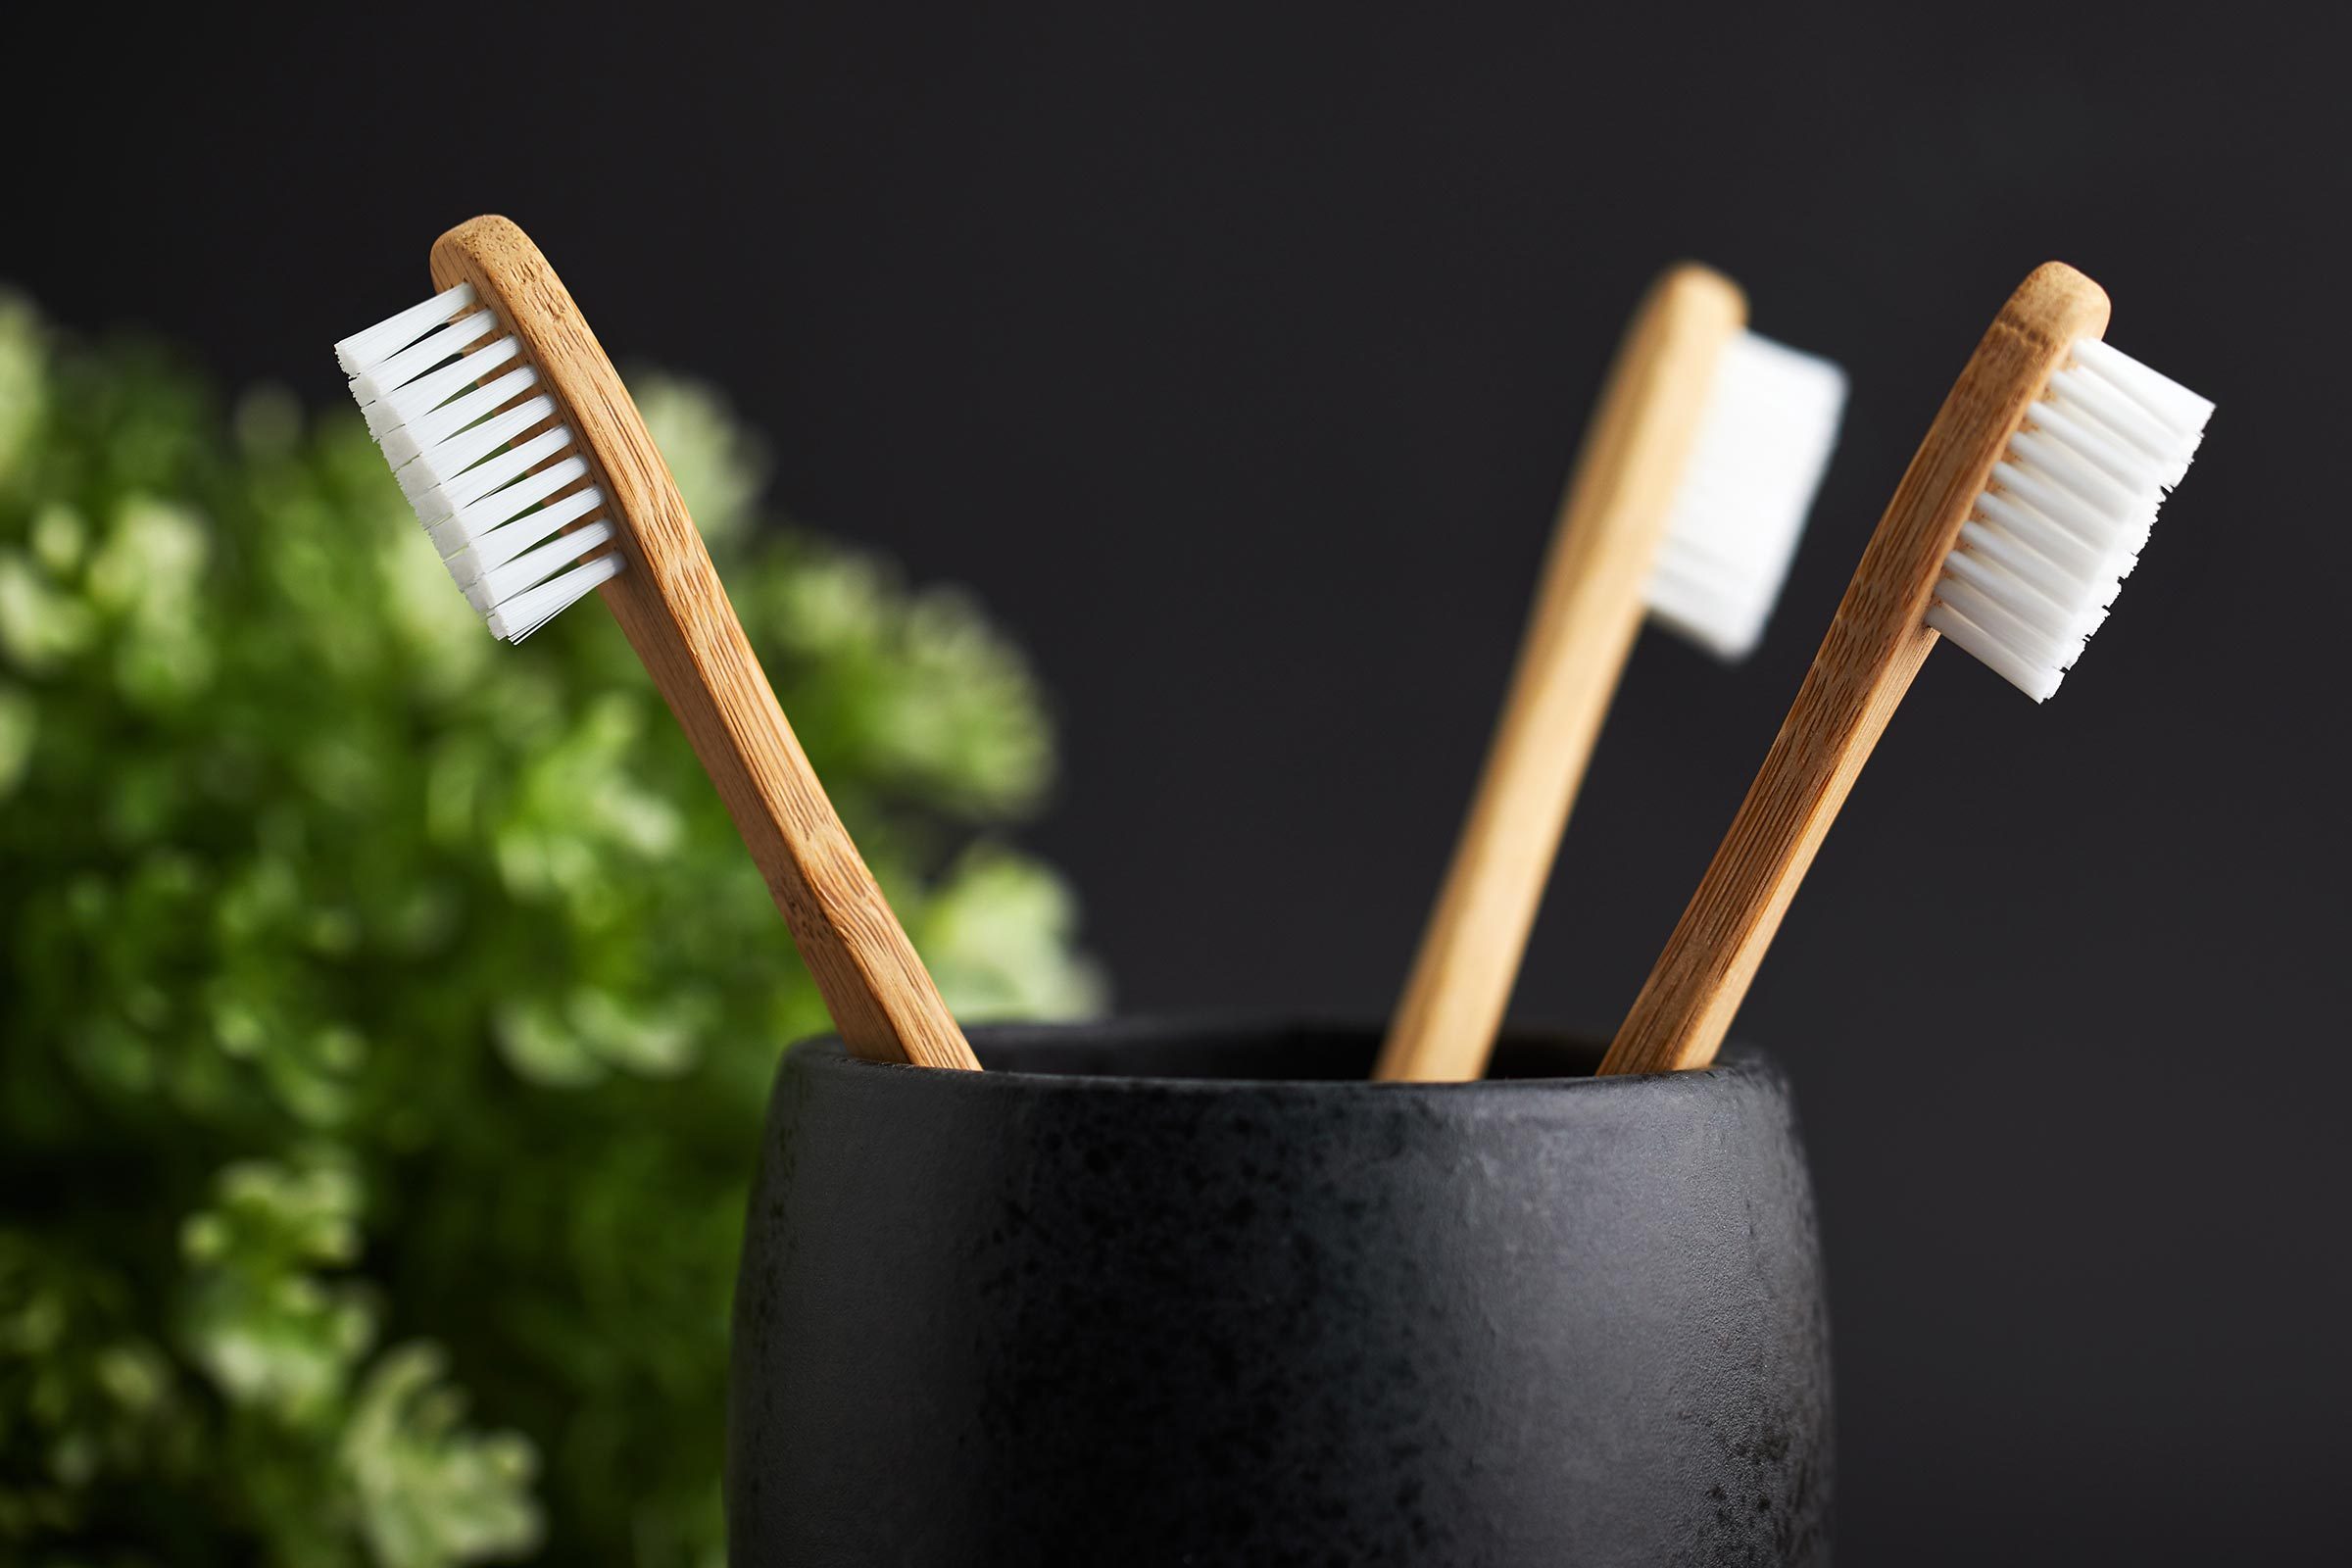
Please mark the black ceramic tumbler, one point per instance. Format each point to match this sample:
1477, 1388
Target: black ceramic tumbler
1164, 1293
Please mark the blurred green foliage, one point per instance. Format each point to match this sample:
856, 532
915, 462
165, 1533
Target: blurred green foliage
387, 1014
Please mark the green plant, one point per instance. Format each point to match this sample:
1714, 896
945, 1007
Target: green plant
387, 1015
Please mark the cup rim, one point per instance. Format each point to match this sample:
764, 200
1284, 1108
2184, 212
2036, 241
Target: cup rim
1740, 1061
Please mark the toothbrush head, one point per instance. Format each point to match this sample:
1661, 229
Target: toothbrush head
2065, 514
480, 449
1763, 443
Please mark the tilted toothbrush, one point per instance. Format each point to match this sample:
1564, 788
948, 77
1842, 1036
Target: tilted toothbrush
1701, 459
2010, 533
533, 473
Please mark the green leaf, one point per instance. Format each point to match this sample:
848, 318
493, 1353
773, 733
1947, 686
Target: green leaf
263, 1320
368, 981
433, 1492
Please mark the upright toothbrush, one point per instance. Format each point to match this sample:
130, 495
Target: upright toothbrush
1686, 502
2010, 533
532, 471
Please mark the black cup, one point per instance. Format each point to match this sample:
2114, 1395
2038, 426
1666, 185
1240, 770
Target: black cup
1167, 1292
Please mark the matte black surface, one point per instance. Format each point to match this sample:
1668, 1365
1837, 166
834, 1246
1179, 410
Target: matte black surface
1045, 1315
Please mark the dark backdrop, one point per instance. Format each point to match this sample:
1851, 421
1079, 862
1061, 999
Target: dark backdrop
1237, 362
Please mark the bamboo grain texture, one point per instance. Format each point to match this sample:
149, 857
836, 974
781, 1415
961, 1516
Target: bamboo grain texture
1875, 645
1590, 604
674, 611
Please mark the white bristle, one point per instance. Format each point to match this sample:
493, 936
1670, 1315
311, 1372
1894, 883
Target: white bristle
500, 584
409, 440
1761, 449
454, 407
2048, 544
421, 356
446, 461
503, 544
361, 350
489, 514
534, 607
493, 472
401, 403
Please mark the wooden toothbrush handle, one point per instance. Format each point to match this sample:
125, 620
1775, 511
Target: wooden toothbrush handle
676, 614
1590, 603
1874, 649
1686, 1006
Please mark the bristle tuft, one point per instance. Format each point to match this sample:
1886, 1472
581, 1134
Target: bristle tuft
2048, 544
478, 448
534, 607
1762, 447
388, 336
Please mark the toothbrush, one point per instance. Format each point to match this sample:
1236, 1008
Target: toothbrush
533, 473
2010, 533
1686, 502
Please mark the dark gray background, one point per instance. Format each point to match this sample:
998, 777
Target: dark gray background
1237, 362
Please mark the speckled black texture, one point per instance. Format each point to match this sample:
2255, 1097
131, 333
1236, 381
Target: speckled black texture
1234, 1306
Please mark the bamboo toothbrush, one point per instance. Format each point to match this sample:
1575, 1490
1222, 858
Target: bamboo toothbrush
2020, 515
1702, 458
532, 471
